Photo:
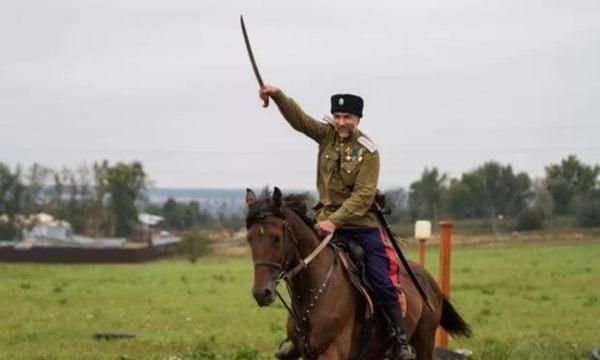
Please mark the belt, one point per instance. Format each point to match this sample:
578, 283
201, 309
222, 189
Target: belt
321, 206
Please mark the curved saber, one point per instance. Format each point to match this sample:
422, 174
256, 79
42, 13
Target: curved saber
252, 60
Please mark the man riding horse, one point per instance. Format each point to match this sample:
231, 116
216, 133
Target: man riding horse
347, 175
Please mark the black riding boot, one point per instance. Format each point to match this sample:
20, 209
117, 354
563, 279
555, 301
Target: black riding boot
402, 350
288, 353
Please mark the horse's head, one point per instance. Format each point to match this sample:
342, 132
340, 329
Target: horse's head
267, 232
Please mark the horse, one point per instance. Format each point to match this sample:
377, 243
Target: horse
327, 312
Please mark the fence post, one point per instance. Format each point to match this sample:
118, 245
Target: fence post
422, 233
422, 252
444, 271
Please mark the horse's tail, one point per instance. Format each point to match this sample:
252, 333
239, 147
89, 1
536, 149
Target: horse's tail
452, 322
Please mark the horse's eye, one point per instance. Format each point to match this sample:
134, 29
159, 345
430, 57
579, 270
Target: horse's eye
276, 239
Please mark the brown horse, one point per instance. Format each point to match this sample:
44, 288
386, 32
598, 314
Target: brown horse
327, 313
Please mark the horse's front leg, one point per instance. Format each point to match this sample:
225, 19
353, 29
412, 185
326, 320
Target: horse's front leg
332, 353
339, 349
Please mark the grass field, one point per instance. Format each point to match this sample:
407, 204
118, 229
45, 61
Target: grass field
524, 302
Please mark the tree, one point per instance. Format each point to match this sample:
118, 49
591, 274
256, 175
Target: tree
489, 191
570, 182
542, 198
426, 195
126, 185
505, 193
58, 208
589, 211
86, 199
462, 200
195, 215
173, 214
102, 222
182, 216
397, 201
12, 193
36, 178
80, 202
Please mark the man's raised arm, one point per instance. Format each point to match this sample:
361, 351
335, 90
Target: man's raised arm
294, 114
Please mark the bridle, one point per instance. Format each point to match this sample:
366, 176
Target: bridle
283, 267
284, 264
300, 316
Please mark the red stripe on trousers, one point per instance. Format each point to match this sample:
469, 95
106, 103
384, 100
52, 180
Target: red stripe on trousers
394, 265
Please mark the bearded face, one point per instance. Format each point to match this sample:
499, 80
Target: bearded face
345, 124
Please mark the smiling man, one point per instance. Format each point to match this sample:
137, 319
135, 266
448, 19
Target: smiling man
347, 176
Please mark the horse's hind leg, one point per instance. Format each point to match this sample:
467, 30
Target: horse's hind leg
423, 340
423, 347
426, 350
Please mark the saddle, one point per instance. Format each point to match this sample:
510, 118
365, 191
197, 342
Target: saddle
352, 256
355, 265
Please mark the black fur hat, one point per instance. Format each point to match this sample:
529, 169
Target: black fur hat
347, 103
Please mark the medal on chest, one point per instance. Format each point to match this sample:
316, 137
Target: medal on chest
348, 152
351, 154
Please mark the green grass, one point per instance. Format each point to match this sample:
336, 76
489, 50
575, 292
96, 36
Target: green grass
525, 302
529, 302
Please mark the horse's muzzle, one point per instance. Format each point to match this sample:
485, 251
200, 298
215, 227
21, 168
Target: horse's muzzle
264, 296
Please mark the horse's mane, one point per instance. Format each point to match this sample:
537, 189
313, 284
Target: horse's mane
298, 203
264, 206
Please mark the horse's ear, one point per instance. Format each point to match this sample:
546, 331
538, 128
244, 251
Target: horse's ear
277, 197
250, 197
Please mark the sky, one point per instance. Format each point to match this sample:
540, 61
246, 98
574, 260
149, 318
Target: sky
447, 84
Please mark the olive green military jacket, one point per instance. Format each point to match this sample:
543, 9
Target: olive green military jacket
347, 170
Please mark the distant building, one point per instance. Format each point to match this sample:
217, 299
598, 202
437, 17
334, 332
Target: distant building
150, 231
44, 230
46, 239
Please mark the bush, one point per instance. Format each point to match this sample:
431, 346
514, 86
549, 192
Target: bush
589, 212
195, 244
530, 219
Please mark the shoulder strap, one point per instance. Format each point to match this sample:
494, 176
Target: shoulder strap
367, 143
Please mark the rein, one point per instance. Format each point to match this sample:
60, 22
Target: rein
302, 264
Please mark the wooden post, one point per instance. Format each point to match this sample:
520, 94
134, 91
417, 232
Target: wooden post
444, 273
422, 252
422, 233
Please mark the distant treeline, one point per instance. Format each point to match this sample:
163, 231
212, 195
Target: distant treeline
494, 191
102, 200
105, 199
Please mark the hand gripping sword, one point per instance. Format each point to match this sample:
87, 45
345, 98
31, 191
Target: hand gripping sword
252, 60
392, 238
